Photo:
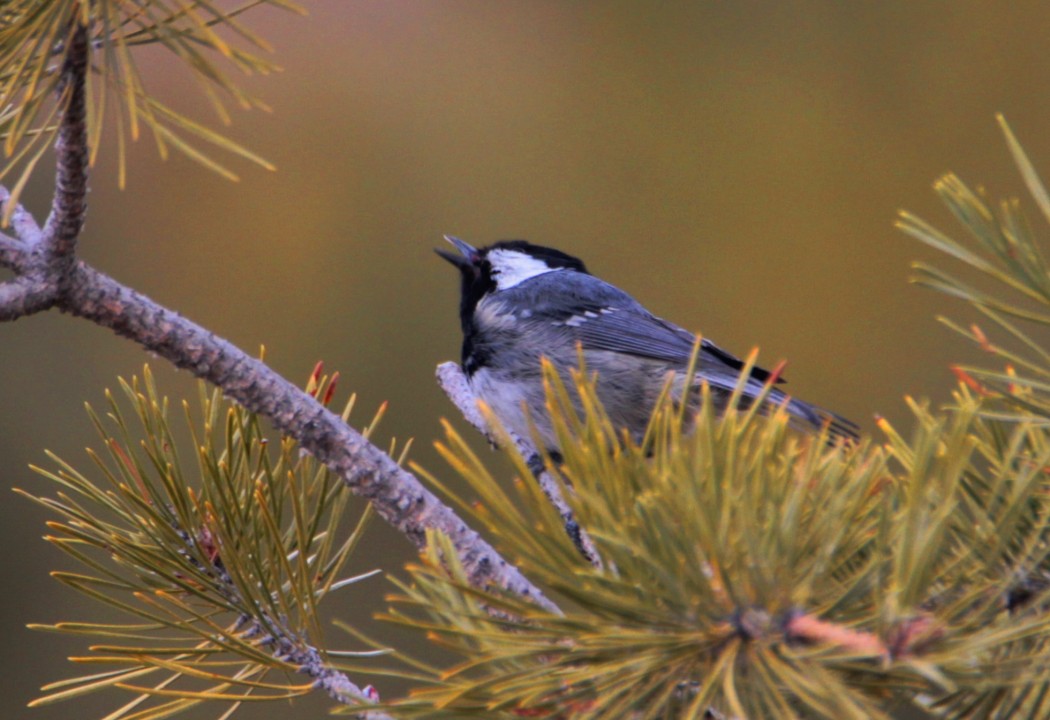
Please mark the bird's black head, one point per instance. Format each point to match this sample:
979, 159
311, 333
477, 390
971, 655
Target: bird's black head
500, 267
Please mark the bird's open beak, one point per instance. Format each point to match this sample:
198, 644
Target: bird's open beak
466, 259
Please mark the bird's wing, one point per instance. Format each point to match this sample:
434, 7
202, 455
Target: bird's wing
635, 331
606, 318
602, 317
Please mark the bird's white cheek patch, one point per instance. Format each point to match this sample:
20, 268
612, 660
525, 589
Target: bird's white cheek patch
510, 268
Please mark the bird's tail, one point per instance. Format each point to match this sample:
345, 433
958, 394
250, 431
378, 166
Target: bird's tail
804, 415
817, 418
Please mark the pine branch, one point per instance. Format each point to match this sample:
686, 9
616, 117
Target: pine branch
287, 647
227, 571
22, 296
47, 275
43, 257
309, 661
69, 206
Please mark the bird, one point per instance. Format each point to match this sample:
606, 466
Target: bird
521, 302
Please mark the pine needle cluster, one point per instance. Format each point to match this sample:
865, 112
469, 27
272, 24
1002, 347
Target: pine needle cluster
1006, 253
749, 572
219, 565
37, 38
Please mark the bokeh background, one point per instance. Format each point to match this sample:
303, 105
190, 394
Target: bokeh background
737, 166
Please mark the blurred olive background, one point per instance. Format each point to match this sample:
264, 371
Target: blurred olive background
736, 166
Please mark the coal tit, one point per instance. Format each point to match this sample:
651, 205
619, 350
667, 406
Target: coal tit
520, 302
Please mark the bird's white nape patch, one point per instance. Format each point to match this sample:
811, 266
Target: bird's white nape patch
511, 267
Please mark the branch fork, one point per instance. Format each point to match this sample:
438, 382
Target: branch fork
47, 274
